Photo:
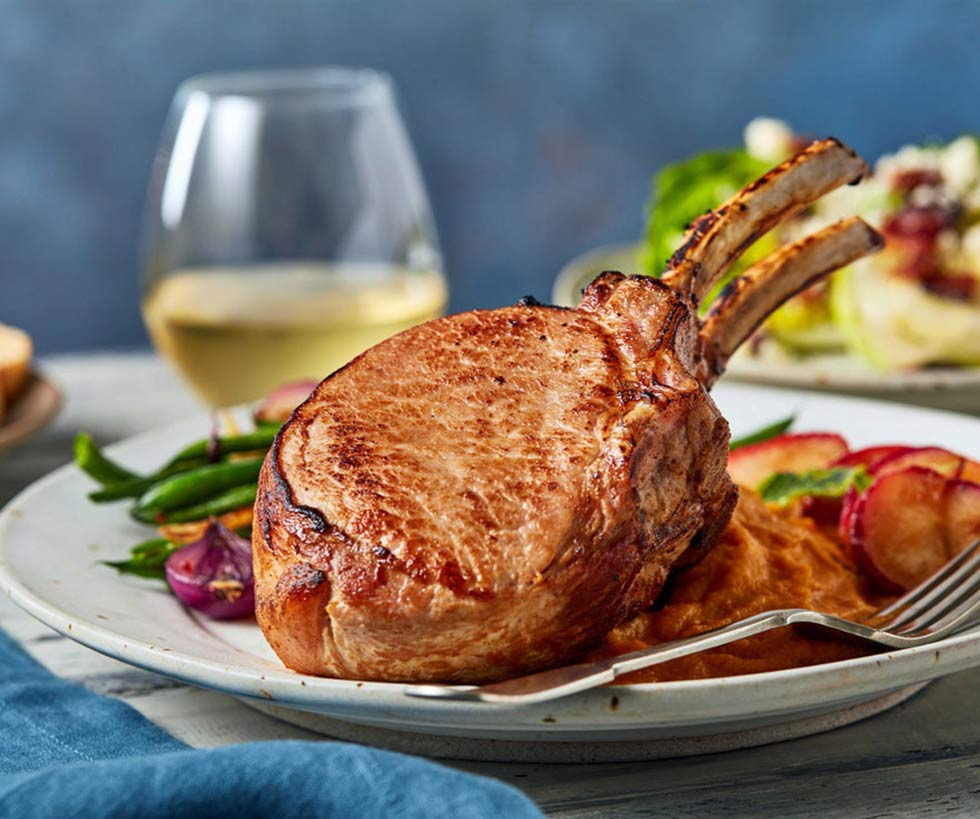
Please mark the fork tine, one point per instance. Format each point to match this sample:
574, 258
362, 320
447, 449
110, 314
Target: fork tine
923, 597
955, 620
953, 617
956, 599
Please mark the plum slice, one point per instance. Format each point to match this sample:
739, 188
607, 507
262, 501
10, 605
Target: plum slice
851, 502
962, 515
897, 528
870, 457
750, 465
946, 463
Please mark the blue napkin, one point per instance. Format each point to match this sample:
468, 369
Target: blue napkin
66, 752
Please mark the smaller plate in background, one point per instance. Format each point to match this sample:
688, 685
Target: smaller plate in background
949, 388
575, 276
33, 410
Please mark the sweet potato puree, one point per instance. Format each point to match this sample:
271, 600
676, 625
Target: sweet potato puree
768, 558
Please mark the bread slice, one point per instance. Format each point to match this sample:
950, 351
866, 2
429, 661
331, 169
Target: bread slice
15, 363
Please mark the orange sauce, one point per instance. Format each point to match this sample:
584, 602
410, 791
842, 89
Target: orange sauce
768, 558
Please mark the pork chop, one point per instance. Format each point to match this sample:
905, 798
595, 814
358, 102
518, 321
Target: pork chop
487, 494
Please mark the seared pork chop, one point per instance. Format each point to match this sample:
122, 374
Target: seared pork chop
487, 494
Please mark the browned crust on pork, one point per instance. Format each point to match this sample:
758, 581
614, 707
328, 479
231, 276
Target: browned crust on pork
336, 600
487, 494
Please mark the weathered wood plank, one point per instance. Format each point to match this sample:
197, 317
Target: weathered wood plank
920, 759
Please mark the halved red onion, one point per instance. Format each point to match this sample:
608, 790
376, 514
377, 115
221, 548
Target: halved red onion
213, 575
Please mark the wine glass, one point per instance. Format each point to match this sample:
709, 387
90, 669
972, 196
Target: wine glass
287, 229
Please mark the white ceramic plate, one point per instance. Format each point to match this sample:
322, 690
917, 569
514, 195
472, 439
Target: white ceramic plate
951, 388
51, 539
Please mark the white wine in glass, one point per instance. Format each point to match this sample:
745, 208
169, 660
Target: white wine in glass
288, 230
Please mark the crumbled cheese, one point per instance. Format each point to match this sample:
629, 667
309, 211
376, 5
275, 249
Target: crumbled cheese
848, 200
948, 243
971, 242
769, 139
960, 164
909, 158
928, 197
971, 201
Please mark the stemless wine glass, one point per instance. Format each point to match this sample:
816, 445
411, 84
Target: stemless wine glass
287, 229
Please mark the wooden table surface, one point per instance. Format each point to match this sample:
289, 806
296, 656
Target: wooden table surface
921, 759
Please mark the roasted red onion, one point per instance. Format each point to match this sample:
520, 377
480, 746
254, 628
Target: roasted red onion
213, 575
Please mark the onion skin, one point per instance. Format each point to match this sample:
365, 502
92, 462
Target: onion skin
213, 575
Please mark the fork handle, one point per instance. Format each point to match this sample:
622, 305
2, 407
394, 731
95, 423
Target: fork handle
570, 679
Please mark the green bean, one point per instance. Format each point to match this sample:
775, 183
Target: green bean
146, 559
181, 463
194, 486
248, 442
764, 434
226, 501
132, 488
89, 458
137, 486
270, 425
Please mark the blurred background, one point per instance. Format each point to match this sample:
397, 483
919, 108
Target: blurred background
537, 124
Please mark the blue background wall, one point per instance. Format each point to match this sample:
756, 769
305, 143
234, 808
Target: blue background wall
537, 124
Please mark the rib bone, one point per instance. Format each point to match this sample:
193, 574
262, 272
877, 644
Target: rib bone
750, 298
714, 241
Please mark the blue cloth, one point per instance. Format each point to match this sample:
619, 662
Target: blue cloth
66, 752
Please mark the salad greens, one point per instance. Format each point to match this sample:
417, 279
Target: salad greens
894, 324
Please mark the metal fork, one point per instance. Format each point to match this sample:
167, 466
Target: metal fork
945, 603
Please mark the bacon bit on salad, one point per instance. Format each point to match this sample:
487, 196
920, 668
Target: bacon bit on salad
962, 287
919, 261
905, 182
918, 223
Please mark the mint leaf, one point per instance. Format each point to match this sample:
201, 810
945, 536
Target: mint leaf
784, 487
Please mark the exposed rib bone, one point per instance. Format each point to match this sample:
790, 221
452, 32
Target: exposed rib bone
717, 239
746, 302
